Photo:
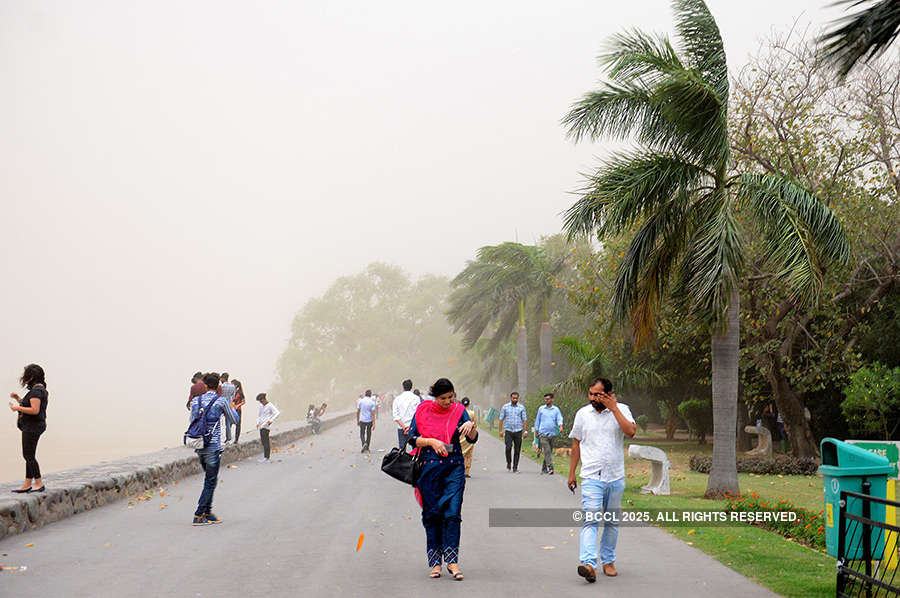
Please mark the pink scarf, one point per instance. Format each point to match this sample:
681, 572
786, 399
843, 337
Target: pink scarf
434, 421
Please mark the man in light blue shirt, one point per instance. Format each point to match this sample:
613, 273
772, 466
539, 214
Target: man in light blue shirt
514, 427
365, 419
547, 424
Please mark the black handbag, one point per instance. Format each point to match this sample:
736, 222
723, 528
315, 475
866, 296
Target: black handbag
402, 466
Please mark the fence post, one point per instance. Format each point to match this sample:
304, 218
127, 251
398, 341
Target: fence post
842, 539
867, 533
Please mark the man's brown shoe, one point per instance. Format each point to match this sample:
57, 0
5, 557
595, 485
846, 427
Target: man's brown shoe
587, 572
609, 570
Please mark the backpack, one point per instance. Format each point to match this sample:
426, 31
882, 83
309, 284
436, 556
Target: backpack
199, 432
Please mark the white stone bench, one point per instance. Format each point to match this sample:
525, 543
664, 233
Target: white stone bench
659, 468
764, 443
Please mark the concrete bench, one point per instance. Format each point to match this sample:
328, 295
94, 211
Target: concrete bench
659, 468
764, 443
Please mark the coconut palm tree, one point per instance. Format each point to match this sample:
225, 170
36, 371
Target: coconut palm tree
688, 216
863, 35
494, 293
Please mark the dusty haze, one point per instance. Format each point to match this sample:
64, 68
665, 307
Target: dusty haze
180, 177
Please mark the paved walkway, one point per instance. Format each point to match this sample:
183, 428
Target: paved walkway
291, 528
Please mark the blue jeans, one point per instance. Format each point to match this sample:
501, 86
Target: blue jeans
210, 464
402, 439
606, 497
441, 485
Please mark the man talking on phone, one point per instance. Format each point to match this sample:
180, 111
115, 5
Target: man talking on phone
598, 441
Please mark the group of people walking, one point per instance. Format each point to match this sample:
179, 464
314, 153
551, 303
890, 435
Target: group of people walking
440, 430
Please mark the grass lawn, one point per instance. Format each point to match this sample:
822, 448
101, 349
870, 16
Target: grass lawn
784, 566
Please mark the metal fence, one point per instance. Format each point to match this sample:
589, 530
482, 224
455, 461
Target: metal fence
867, 548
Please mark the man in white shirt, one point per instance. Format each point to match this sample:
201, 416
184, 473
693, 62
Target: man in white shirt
403, 410
598, 440
267, 414
365, 419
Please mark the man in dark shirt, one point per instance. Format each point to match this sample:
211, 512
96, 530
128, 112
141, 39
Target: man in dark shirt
197, 387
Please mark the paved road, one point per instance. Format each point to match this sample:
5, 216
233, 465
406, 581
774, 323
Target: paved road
291, 528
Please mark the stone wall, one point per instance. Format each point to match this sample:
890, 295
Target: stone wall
76, 490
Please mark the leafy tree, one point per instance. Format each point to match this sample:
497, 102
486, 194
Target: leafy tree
840, 141
872, 406
675, 191
369, 330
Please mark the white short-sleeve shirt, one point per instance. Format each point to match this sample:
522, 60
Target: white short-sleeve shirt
602, 443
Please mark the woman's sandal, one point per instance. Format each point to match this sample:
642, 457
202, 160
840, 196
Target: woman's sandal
434, 574
458, 576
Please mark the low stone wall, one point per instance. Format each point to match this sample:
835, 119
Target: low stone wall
76, 490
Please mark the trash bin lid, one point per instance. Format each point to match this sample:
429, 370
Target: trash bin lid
842, 459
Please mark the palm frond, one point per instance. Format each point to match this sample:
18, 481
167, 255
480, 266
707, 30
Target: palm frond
861, 36
701, 41
713, 262
637, 56
800, 232
627, 188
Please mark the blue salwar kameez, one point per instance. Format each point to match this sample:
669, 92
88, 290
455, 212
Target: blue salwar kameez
441, 485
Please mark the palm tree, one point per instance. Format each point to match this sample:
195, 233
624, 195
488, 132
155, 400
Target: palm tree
496, 290
863, 35
688, 215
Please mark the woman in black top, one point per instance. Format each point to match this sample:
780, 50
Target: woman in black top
32, 410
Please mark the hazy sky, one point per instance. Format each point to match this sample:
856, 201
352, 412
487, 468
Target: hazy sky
179, 177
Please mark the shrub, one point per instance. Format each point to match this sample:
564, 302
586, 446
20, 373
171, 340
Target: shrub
642, 421
780, 464
809, 528
697, 413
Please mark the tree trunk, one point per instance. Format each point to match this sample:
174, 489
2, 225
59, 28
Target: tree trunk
803, 443
546, 340
725, 354
522, 361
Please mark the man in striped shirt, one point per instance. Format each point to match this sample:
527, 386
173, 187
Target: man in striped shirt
513, 429
214, 406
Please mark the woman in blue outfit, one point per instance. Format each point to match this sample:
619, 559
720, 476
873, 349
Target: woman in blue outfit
435, 431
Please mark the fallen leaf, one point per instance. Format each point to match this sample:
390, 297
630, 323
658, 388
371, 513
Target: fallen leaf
691, 532
292, 446
29, 545
106, 545
548, 547
315, 489
359, 542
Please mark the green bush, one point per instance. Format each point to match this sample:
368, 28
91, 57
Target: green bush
778, 465
872, 401
698, 413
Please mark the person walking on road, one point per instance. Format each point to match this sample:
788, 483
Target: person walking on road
468, 448
266, 415
32, 422
239, 402
513, 429
435, 431
402, 410
547, 424
312, 418
365, 419
598, 441
213, 406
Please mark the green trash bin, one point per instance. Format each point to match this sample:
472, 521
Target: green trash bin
846, 467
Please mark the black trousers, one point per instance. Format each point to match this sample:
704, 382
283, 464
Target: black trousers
365, 434
264, 438
29, 449
513, 438
237, 429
